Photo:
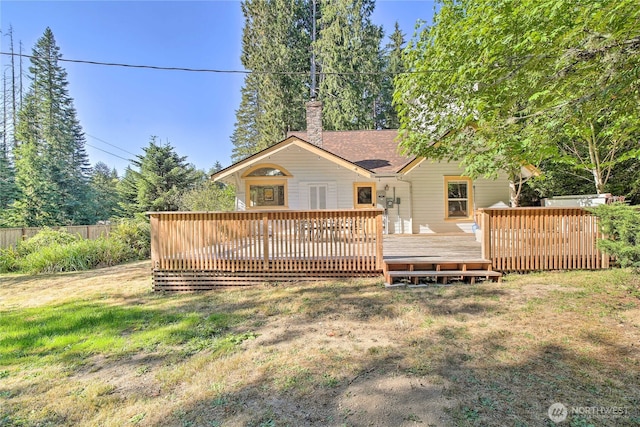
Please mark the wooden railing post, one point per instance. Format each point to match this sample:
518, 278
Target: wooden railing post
265, 240
155, 240
485, 234
379, 241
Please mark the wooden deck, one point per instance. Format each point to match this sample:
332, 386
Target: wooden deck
431, 247
203, 250
425, 260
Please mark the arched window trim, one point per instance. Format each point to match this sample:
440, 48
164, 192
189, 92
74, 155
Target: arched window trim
266, 181
267, 165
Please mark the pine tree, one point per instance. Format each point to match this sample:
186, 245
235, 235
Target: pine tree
245, 135
348, 52
159, 182
277, 49
275, 46
51, 163
387, 117
104, 185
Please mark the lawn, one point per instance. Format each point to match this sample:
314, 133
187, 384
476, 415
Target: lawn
100, 348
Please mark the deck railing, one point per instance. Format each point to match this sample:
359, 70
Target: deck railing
273, 244
528, 239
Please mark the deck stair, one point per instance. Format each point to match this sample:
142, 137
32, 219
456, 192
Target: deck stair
416, 272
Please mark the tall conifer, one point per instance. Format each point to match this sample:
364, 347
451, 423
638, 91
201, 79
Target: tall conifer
52, 166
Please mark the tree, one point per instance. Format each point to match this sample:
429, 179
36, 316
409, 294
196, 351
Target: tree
208, 195
496, 84
52, 168
349, 57
393, 65
157, 185
245, 138
275, 47
104, 189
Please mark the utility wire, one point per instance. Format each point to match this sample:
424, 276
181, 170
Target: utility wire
210, 70
105, 151
108, 143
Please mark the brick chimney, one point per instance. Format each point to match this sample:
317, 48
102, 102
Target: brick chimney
314, 122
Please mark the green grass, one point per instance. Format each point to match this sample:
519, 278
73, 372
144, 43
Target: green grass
70, 332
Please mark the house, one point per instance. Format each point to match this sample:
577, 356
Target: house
318, 169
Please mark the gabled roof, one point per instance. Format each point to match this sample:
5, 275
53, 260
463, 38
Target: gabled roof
374, 150
291, 141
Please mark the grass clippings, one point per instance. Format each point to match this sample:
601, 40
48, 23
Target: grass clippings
100, 348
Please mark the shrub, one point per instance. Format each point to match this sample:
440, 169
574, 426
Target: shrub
136, 235
75, 256
45, 238
8, 260
621, 225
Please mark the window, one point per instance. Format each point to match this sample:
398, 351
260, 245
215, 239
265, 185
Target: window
266, 186
266, 195
458, 197
364, 195
318, 196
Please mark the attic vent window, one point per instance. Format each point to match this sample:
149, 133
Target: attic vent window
267, 171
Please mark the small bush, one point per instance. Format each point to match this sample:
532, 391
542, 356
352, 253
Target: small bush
136, 235
621, 225
8, 260
45, 238
75, 256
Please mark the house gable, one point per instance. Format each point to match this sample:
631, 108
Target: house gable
227, 174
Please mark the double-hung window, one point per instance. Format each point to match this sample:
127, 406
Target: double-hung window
458, 202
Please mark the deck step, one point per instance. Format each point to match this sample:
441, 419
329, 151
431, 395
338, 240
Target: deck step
440, 270
444, 273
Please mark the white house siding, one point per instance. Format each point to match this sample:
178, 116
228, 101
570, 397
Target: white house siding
428, 204
421, 191
309, 169
398, 217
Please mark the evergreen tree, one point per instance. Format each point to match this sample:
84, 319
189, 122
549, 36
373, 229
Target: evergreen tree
159, 182
349, 57
387, 117
52, 168
275, 46
245, 135
104, 185
277, 49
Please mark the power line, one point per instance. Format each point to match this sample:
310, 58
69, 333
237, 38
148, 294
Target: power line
105, 151
211, 70
108, 143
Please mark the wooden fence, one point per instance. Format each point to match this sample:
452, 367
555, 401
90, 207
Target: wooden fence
201, 250
9, 237
529, 239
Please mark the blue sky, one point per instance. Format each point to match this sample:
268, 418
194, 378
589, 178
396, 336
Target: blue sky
120, 108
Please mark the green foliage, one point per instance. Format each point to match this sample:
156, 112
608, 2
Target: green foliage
45, 238
157, 184
76, 256
51, 164
209, 196
52, 251
349, 42
135, 235
277, 37
502, 83
621, 225
104, 184
8, 260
